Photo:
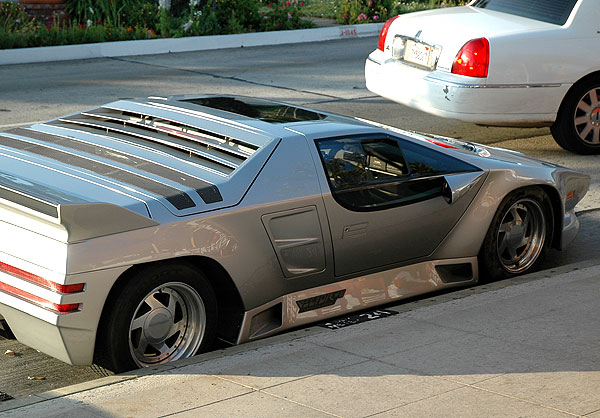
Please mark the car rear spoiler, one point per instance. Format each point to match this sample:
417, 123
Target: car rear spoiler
80, 221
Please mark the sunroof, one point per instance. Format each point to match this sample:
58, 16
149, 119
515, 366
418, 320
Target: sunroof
258, 109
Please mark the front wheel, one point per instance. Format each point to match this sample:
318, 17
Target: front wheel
577, 125
519, 236
163, 313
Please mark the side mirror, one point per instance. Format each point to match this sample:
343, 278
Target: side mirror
457, 185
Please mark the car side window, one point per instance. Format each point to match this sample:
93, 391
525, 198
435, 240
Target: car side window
374, 173
423, 161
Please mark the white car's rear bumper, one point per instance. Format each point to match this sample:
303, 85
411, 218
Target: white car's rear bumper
458, 97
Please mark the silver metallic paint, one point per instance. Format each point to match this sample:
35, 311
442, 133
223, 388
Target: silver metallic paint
284, 178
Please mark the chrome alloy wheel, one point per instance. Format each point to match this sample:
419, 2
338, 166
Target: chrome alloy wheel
521, 235
587, 117
167, 325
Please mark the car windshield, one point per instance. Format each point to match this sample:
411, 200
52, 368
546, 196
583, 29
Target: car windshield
551, 11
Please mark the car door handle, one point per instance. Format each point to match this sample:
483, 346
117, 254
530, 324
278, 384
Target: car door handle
353, 231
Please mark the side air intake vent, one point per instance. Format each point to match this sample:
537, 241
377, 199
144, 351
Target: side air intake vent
455, 273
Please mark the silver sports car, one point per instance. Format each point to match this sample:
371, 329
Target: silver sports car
138, 232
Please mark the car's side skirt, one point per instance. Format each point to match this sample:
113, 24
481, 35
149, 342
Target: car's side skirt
340, 298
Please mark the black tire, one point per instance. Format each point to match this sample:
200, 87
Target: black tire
519, 236
162, 313
577, 125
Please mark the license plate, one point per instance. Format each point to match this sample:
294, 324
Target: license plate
418, 53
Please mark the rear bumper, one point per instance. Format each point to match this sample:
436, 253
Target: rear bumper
463, 98
70, 337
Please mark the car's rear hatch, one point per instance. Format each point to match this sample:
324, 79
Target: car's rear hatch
147, 156
451, 28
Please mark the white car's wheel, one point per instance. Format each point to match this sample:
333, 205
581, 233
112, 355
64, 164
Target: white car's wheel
164, 313
577, 126
519, 236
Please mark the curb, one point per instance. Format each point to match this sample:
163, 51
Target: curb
188, 44
423, 301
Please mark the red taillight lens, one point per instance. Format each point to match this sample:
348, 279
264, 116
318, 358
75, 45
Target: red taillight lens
30, 277
473, 59
384, 32
62, 308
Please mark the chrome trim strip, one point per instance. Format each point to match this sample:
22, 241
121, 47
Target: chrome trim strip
361, 292
488, 86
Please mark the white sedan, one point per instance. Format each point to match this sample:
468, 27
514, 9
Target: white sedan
498, 62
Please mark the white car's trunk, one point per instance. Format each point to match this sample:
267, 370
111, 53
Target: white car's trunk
452, 28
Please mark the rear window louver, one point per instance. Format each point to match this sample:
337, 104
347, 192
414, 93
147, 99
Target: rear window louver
215, 151
208, 192
177, 198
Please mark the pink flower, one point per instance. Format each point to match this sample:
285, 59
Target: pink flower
375, 17
361, 16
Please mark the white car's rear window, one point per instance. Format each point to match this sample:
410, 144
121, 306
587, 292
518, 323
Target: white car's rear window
551, 11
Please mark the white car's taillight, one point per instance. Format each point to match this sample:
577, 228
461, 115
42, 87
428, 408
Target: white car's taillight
473, 59
384, 32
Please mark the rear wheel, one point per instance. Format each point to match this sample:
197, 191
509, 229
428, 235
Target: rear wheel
163, 313
577, 126
519, 236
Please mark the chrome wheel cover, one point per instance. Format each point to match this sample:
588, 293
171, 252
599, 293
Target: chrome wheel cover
587, 117
167, 325
521, 235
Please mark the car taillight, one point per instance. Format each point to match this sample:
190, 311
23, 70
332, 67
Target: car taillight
40, 281
58, 307
473, 59
30, 277
384, 32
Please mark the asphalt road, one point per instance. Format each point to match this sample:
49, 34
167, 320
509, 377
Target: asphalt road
326, 75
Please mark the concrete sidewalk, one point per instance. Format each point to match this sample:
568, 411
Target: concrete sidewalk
523, 347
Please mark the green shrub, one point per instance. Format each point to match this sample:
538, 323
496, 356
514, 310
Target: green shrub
364, 11
283, 16
199, 23
142, 13
35, 34
179, 8
234, 15
82, 11
12, 16
417, 5
320, 8
116, 20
